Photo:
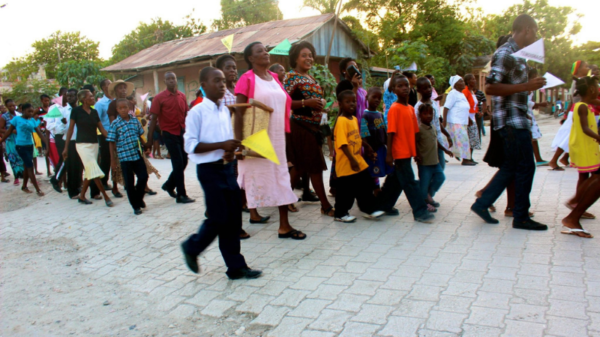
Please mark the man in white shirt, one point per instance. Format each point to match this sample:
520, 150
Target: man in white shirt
209, 142
72, 168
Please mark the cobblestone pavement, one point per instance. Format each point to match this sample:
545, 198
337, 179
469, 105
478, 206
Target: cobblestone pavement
69, 269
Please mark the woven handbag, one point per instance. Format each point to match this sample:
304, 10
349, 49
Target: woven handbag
256, 117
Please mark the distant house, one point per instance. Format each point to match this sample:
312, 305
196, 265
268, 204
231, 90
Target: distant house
186, 57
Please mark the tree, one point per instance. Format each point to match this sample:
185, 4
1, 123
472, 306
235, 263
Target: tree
30, 91
146, 35
60, 47
323, 6
241, 13
74, 74
553, 25
49, 52
589, 52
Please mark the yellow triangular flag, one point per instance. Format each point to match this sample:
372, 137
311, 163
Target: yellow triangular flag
590, 73
228, 42
261, 144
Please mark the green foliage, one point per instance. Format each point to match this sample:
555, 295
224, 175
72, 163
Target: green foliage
241, 13
74, 74
146, 35
553, 25
328, 82
323, 6
589, 52
70, 46
30, 91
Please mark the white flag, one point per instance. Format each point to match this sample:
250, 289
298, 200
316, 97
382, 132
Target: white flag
412, 67
533, 52
552, 81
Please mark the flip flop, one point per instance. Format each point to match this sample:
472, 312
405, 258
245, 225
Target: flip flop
558, 168
293, 234
585, 215
542, 163
244, 235
582, 233
292, 208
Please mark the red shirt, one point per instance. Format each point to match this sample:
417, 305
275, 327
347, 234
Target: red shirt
171, 109
402, 122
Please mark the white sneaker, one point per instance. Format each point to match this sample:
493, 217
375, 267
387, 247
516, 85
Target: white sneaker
346, 219
374, 215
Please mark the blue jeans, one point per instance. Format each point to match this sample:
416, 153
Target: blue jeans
224, 209
402, 179
431, 178
442, 159
519, 165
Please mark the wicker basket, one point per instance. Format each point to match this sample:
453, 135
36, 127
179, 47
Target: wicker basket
256, 117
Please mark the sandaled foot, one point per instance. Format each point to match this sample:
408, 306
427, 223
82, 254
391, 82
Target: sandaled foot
264, 219
431, 209
492, 209
292, 208
542, 163
572, 227
109, 203
585, 215
293, 234
26, 190
329, 211
97, 197
244, 235
554, 167
40, 193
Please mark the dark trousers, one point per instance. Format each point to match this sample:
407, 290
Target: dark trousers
402, 179
518, 165
135, 191
357, 186
179, 161
224, 207
60, 147
103, 162
73, 169
431, 179
2, 163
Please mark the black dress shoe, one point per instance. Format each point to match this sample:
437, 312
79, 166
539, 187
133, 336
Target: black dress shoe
184, 200
137, 211
529, 225
243, 273
170, 191
143, 204
190, 260
484, 214
55, 186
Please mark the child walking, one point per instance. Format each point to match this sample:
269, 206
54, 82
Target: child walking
431, 173
209, 142
25, 125
126, 142
402, 130
585, 155
353, 178
374, 135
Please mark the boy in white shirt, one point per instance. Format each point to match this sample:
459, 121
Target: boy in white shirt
210, 145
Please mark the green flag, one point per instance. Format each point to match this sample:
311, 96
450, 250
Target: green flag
282, 49
54, 112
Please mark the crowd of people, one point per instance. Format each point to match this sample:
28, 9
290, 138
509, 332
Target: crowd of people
372, 141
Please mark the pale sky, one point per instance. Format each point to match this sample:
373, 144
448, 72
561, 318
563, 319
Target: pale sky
109, 20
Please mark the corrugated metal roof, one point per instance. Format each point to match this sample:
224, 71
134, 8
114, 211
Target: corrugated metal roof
209, 44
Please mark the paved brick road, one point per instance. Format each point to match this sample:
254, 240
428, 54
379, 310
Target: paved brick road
69, 269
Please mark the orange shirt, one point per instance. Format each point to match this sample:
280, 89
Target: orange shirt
346, 132
469, 95
402, 122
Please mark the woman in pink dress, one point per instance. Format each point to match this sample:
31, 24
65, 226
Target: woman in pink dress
266, 184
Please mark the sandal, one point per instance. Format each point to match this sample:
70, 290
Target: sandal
431, 208
292, 208
84, 201
26, 190
97, 197
40, 193
109, 203
264, 219
293, 234
117, 195
245, 209
244, 235
558, 168
329, 212
582, 233
585, 215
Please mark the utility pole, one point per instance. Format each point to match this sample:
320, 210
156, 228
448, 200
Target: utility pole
336, 15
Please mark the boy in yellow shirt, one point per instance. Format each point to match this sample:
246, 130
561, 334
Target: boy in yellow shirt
354, 180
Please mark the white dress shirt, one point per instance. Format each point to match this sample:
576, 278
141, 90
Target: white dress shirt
66, 112
56, 126
207, 122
